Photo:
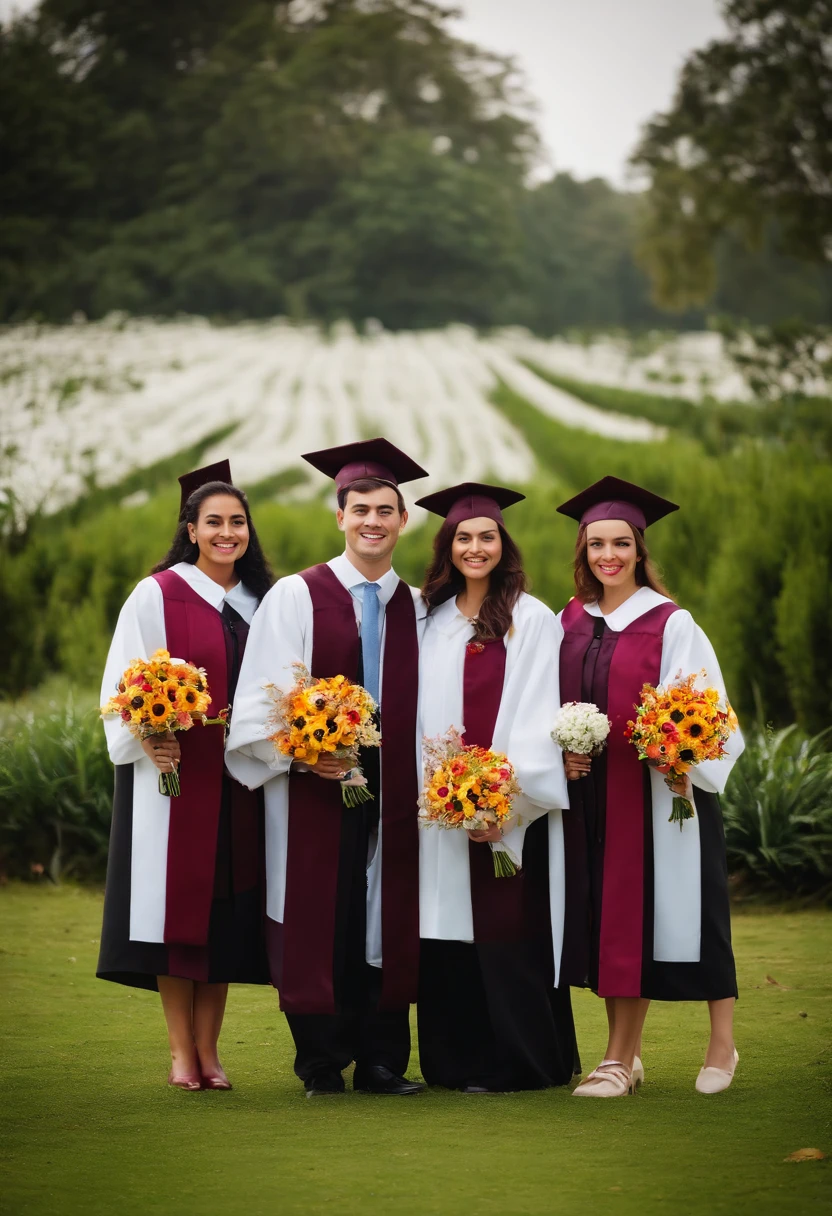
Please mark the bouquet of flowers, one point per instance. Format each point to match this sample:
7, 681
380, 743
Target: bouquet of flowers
580, 727
678, 726
158, 695
469, 788
319, 716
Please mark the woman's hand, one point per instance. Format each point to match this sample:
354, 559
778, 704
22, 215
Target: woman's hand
492, 833
164, 751
682, 787
332, 768
576, 765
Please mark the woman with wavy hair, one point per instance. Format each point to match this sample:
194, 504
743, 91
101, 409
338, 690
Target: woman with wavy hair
490, 1019
646, 907
184, 895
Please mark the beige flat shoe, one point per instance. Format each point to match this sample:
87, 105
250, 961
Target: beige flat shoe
609, 1080
715, 1080
638, 1072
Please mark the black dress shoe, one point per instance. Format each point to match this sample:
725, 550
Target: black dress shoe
380, 1080
324, 1084
476, 1089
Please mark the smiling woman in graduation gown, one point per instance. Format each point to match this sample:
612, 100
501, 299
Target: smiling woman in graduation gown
490, 1018
659, 921
184, 895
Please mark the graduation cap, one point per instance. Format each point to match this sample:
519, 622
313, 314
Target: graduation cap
368, 458
221, 471
470, 500
612, 498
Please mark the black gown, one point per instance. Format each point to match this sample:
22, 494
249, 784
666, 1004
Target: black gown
235, 952
488, 1012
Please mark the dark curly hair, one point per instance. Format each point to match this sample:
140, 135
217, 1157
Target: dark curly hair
507, 583
253, 569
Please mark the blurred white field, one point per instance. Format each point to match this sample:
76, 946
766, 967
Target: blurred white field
97, 400
691, 365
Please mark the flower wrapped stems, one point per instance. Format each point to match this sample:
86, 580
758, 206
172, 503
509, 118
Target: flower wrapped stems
677, 727
320, 717
469, 788
159, 695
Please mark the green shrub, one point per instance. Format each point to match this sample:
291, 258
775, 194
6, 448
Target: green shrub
56, 786
778, 813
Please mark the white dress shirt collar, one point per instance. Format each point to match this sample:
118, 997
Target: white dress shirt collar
353, 579
240, 598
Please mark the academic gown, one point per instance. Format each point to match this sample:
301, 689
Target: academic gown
489, 1014
343, 999
144, 878
646, 905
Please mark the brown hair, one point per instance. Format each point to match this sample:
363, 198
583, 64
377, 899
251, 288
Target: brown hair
589, 589
506, 585
369, 483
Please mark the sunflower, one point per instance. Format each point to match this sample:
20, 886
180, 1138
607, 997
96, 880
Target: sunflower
158, 708
695, 729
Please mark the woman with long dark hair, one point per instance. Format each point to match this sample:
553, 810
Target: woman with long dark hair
184, 897
490, 1018
646, 907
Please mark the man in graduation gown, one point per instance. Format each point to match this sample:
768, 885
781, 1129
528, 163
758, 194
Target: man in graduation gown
342, 882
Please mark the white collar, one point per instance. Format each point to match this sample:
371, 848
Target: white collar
640, 601
239, 597
352, 579
448, 619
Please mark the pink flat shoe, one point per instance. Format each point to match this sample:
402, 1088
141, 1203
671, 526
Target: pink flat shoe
715, 1080
190, 1083
609, 1080
217, 1081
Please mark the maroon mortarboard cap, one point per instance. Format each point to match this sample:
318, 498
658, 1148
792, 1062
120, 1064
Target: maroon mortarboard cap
612, 498
221, 471
369, 458
471, 500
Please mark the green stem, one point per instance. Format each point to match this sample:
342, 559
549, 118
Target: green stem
682, 810
169, 784
504, 867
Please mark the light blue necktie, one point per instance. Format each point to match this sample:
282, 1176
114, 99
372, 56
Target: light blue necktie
369, 638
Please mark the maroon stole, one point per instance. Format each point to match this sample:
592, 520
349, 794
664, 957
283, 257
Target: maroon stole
194, 632
636, 660
497, 903
315, 810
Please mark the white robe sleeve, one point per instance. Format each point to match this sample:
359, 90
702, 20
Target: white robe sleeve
529, 703
687, 650
139, 632
280, 635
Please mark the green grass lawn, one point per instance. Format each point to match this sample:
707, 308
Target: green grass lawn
88, 1124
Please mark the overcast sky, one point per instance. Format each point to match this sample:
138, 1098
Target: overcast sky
598, 68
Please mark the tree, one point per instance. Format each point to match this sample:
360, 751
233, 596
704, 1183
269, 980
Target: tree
746, 145
227, 152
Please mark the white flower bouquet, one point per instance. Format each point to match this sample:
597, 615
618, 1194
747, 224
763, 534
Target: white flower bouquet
580, 727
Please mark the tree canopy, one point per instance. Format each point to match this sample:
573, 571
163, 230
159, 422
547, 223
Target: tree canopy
746, 147
319, 159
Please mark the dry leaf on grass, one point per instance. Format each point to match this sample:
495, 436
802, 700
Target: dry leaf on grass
805, 1154
771, 980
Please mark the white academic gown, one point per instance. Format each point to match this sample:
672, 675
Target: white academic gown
522, 732
676, 854
281, 635
139, 632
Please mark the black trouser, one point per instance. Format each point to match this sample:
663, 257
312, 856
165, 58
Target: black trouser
359, 1031
329, 1042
